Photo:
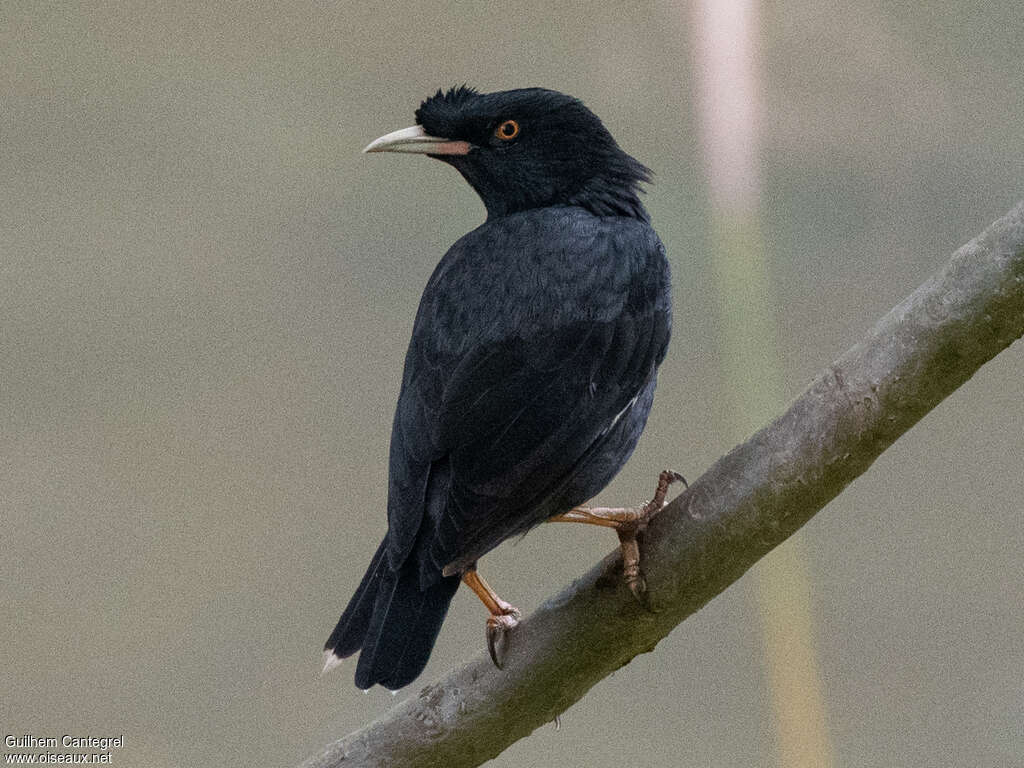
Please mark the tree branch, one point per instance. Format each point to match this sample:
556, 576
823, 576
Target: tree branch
747, 503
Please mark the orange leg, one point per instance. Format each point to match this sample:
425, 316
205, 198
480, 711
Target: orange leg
627, 522
503, 618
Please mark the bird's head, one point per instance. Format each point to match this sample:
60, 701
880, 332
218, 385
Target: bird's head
523, 149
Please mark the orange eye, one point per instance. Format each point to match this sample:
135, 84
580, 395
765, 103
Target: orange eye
507, 130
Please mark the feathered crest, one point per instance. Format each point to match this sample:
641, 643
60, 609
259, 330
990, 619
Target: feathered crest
443, 102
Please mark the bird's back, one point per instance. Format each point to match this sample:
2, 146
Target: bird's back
536, 335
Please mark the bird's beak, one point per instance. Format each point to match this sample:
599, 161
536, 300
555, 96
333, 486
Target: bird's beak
415, 139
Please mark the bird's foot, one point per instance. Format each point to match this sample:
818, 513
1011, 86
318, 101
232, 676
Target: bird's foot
504, 616
628, 523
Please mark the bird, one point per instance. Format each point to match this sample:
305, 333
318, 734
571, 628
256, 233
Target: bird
531, 369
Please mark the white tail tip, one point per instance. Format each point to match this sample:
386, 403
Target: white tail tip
330, 662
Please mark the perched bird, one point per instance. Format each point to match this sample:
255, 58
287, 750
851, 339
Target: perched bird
531, 368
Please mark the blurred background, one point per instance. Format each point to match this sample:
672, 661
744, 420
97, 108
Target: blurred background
205, 296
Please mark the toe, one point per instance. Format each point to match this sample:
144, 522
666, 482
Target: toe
498, 632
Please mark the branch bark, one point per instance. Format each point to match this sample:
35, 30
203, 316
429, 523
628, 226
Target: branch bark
750, 501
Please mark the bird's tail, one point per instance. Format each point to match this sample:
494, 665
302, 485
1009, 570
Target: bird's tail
393, 621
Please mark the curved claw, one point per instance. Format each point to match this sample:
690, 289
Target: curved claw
638, 586
498, 628
665, 479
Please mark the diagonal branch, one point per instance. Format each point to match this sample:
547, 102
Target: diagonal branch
747, 503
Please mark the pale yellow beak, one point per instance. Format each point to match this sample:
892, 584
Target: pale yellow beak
415, 139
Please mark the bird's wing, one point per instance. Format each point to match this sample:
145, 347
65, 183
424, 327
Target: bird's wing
512, 380
537, 427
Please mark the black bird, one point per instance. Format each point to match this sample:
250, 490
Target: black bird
531, 368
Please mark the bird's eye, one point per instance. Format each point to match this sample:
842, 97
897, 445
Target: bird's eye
509, 129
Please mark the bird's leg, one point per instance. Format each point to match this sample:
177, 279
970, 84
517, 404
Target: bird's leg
503, 618
627, 522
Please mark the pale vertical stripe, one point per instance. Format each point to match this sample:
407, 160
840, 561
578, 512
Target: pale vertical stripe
727, 89
784, 600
